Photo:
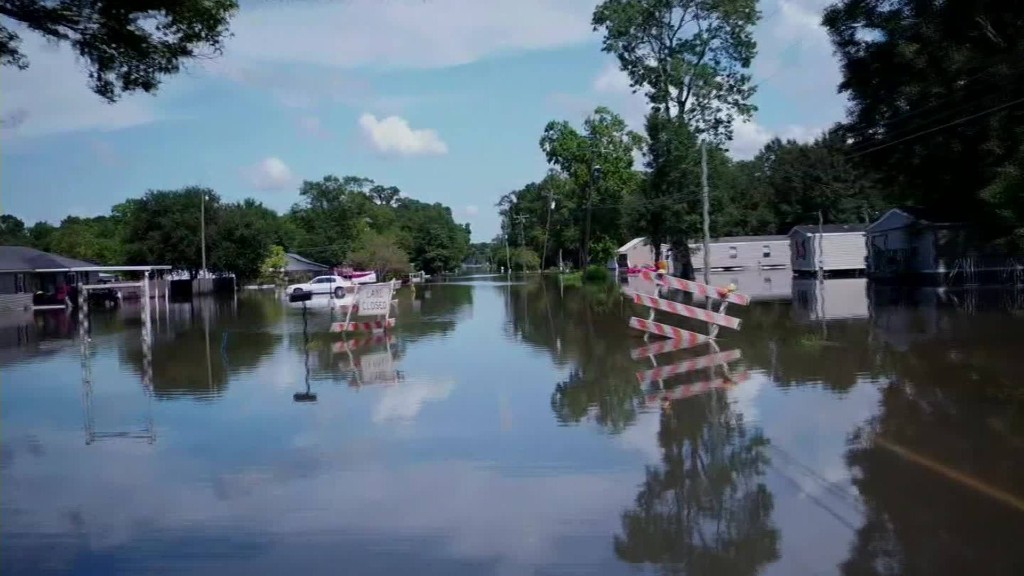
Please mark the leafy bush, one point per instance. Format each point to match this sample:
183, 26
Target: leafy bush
595, 273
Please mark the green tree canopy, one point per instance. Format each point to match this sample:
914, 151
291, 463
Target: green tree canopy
126, 45
688, 56
935, 90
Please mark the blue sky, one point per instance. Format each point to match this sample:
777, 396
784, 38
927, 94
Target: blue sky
445, 99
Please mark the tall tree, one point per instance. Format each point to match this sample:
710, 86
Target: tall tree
667, 209
126, 45
245, 233
41, 235
163, 227
608, 143
12, 231
98, 240
936, 96
690, 57
331, 215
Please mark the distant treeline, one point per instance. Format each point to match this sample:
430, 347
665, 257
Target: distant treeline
337, 220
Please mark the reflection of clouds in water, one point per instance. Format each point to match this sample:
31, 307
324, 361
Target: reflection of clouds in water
743, 396
642, 436
404, 401
478, 513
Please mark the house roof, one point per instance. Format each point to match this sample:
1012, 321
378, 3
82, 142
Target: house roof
743, 239
916, 217
830, 228
297, 263
636, 242
25, 259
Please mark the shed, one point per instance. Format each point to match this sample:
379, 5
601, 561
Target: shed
25, 271
743, 253
835, 248
638, 252
906, 243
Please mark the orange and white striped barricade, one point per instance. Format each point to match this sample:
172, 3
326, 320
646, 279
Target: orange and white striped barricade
372, 300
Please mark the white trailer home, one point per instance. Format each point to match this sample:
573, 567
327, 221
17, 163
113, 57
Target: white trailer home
743, 253
835, 248
639, 252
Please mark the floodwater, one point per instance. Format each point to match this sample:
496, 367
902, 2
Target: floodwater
501, 429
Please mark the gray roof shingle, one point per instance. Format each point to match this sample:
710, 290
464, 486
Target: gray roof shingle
20, 258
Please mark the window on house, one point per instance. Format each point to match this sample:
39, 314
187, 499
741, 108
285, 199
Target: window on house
19, 283
733, 252
766, 251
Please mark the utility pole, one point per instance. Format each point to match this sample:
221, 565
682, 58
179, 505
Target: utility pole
595, 177
202, 226
547, 228
821, 246
705, 196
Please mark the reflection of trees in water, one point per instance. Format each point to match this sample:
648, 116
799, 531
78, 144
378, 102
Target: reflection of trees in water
180, 366
704, 509
955, 401
585, 330
794, 353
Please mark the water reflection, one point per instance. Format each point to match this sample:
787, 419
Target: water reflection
521, 427
705, 509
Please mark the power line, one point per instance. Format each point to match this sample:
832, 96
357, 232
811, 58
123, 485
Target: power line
937, 128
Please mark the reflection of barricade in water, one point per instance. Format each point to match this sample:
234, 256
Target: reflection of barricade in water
91, 434
680, 339
369, 360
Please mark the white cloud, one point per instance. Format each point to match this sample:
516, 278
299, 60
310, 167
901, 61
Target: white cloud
471, 210
749, 137
393, 136
271, 173
612, 80
394, 34
52, 96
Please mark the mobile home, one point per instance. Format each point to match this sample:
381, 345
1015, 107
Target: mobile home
834, 248
639, 252
743, 253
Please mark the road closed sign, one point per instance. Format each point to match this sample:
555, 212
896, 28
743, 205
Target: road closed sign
374, 299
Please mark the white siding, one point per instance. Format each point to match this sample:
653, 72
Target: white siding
742, 255
844, 251
841, 251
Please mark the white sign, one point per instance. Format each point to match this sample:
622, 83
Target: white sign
374, 299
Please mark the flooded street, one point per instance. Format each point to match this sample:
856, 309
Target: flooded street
501, 429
